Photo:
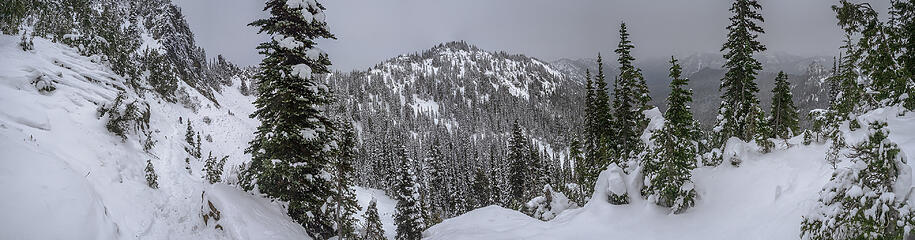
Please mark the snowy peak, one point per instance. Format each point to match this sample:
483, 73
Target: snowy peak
520, 75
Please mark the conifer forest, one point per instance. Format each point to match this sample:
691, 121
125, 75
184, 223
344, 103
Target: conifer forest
407, 120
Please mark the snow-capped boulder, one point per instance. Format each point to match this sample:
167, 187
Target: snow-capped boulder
617, 193
549, 204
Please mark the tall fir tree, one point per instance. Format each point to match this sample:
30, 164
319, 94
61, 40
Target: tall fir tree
409, 216
783, 116
537, 173
602, 121
902, 20
518, 170
585, 184
344, 196
594, 129
675, 152
481, 190
436, 180
290, 148
373, 230
859, 201
740, 114
630, 98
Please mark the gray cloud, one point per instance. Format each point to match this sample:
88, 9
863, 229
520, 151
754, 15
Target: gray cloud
370, 31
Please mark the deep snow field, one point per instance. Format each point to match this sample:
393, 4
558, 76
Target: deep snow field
64, 176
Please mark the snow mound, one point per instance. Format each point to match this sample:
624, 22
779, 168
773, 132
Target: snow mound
549, 205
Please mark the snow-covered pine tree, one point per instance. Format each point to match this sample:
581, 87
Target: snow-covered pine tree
481, 190
783, 116
537, 174
865, 200
630, 96
851, 97
740, 114
595, 127
409, 219
372, 229
193, 149
902, 20
675, 151
152, 180
578, 174
291, 149
344, 202
213, 168
519, 166
435, 179
498, 176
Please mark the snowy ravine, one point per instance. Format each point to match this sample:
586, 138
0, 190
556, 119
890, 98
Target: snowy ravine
764, 198
64, 176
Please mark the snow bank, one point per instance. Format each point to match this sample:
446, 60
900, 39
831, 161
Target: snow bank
244, 216
43, 198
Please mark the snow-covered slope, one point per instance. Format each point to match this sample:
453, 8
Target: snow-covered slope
64, 176
762, 199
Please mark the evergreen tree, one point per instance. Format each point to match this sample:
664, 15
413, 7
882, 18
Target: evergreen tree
902, 20
676, 150
859, 201
289, 147
482, 191
408, 218
630, 99
345, 205
517, 158
578, 174
784, 118
740, 114
537, 172
594, 130
152, 180
213, 168
436, 180
193, 148
373, 229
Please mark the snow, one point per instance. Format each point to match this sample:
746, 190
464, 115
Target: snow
72, 179
42, 192
287, 42
420, 105
616, 183
385, 207
547, 208
303, 71
249, 217
764, 198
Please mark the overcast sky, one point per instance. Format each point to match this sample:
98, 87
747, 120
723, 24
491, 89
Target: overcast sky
370, 31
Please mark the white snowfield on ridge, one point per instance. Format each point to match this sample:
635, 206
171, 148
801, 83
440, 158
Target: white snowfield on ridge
64, 176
